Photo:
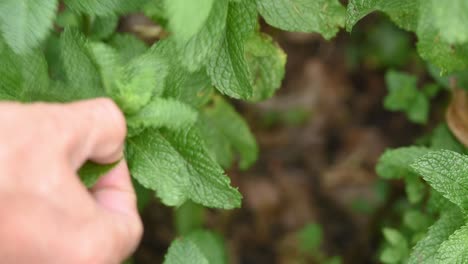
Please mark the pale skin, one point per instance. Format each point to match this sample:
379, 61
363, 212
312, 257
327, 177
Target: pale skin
46, 214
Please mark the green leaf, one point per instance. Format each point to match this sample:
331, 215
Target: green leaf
200, 247
416, 220
455, 249
104, 7
310, 237
186, 18
398, 248
26, 23
404, 96
225, 132
131, 84
189, 217
128, 46
426, 249
404, 13
103, 27
228, 68
90, 172
446, 171
449, 58
193, 88
438, 203
395, 163
415, 188
81, 74
266, 62
321, 16
162, 112
178, 167
195, 52
23, 77
442, 138
451, 18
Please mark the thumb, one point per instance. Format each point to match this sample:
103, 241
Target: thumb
115, 196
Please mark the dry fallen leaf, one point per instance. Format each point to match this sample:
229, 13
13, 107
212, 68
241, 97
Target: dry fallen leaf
457, 115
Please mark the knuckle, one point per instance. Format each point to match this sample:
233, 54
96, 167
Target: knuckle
106, 108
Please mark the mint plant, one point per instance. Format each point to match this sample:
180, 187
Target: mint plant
183, 131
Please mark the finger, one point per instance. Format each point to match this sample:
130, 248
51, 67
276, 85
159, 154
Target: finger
115, 196
92, 129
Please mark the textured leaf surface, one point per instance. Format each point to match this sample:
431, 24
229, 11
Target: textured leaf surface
26, 23
432, 47
186, 18
395, 163
228, 68
23, 78
178, 167
81, 74
266, 62
322, 16
90, 172
200, 247
455, 249
451, 18
446, 171
128, 46
131, 84
404, 13
162, 112
104, 7
426, 248
225, 132
195, 51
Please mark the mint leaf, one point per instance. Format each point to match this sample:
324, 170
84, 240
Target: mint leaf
426, 248
131, 84
193, 88
446, 171
395, 163
225, 132
455, 249
442, 138
23, 77
414, 188
187, 18
404, 96
81, 74
266, 62
431, 47
404, 13
310, 237
104, 7
194, 52
25, 23
178, 167
162, 112
189, 217
397, 248
200, 247
451, 18
321, 16
103, 27
128, 46
228, 68
90, 172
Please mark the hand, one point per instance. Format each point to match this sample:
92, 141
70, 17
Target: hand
46, 214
